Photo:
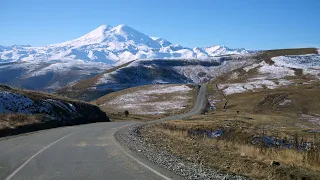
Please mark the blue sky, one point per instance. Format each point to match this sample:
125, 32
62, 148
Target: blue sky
251, 24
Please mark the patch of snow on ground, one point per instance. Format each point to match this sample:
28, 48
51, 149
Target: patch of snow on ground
234, 75
67, 107
275, 72
147, 102
302, 126
232, 88
72, 107
11, 102
310, 64
286, 101
251, 86
252, 66
313, 72
284, 82
299, 62
14, 102
314, 119
171, 89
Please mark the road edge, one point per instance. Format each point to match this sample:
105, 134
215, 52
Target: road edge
143, 161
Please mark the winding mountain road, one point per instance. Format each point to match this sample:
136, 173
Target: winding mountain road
87, 152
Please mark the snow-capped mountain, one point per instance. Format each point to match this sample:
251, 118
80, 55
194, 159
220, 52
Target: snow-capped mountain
111, 45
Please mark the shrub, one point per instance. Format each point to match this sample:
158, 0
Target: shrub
126, 113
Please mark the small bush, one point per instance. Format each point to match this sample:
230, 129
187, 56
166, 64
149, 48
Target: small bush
126, 113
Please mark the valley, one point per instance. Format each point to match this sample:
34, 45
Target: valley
156, 71
159, 90
194, 113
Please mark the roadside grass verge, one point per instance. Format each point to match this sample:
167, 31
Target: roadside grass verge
16, 120
12, 124
232, 153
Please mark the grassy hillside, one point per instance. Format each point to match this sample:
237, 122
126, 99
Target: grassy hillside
24, 111
266, 124
264, 56
257, 128
159, 100
267, 55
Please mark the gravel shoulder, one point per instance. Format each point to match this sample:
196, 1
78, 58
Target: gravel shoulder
130, 137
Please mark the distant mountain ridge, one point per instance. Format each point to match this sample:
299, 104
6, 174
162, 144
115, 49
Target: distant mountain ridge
113, 46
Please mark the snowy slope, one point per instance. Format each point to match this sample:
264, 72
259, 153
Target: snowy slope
271, 76
309, 64
47, 76
158, 71
167, 71
18, 103
149, 100
111, 45
53, 108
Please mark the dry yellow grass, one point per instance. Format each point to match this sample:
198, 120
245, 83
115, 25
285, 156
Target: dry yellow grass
233, 156
15, 120
19, 123
250, 114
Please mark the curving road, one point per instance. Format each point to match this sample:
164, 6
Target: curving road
80, 152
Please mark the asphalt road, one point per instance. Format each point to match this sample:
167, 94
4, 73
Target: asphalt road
87, 152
